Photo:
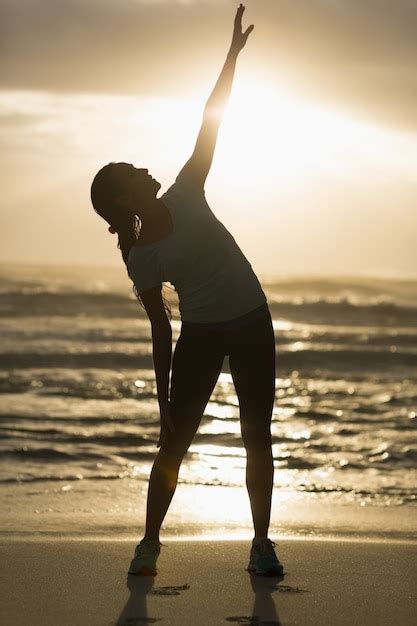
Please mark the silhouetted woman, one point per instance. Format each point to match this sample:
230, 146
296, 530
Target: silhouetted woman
223, 309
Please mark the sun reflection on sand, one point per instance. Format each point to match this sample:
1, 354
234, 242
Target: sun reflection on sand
220, 509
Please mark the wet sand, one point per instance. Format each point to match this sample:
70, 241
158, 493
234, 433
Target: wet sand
73, 581
118, 509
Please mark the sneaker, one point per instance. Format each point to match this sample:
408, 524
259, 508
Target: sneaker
263, 559
144, 560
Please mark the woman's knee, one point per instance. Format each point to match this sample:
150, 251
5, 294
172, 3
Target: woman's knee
257, 442
171, 455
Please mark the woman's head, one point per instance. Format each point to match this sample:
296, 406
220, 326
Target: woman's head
120, 190
120, 193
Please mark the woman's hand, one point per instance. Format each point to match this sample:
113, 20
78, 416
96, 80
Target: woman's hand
166, 421
239, 38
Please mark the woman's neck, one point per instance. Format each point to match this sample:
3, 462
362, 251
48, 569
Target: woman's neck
156, 223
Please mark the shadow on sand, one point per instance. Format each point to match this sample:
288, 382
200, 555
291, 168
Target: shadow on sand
264, 612
135, 611
262, 588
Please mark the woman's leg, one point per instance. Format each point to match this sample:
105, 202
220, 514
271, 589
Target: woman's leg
161, 488
252, 365
196, 365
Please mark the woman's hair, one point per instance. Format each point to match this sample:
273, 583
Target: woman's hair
104, 191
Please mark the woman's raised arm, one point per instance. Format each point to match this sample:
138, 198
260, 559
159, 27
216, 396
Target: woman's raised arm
200, 161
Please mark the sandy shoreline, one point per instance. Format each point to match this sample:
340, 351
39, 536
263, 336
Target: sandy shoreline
102, 508
46, 582
65, 550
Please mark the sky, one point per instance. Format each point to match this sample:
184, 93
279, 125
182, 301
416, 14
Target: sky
315, 170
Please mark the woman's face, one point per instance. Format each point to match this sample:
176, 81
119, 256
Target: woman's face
136, 184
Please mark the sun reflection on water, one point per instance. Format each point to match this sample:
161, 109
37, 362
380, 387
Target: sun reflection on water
222, 411
216, 427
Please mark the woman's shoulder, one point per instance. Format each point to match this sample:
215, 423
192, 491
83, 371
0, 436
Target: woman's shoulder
183, 186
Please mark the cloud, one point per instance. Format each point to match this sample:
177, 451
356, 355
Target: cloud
94, 45
359, 54
11, 121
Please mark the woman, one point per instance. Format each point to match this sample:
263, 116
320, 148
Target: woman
223, 312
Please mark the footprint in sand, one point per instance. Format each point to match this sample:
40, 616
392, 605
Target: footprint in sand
251, 620
137, 621
288, 589
171, 590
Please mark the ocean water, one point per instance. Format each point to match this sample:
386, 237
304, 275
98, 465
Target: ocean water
78, 393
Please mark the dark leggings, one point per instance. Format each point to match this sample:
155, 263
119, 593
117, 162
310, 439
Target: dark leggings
197, 362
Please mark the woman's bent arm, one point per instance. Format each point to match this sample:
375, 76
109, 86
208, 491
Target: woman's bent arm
162, 354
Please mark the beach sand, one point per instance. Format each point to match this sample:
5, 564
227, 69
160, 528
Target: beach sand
75, 581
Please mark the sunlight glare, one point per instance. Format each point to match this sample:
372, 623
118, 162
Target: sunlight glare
274, 135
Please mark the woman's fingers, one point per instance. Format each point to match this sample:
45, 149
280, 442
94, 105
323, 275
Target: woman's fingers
163, 433
239, 38
167, 423
170, 423
239, 13
162, 436
166, 418
165, 413
248, 30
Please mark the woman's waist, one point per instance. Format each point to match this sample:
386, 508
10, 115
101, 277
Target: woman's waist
236, 322
223, 297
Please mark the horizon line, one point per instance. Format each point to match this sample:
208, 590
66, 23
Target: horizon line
267, 276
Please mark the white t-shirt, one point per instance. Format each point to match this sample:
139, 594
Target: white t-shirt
214, 280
